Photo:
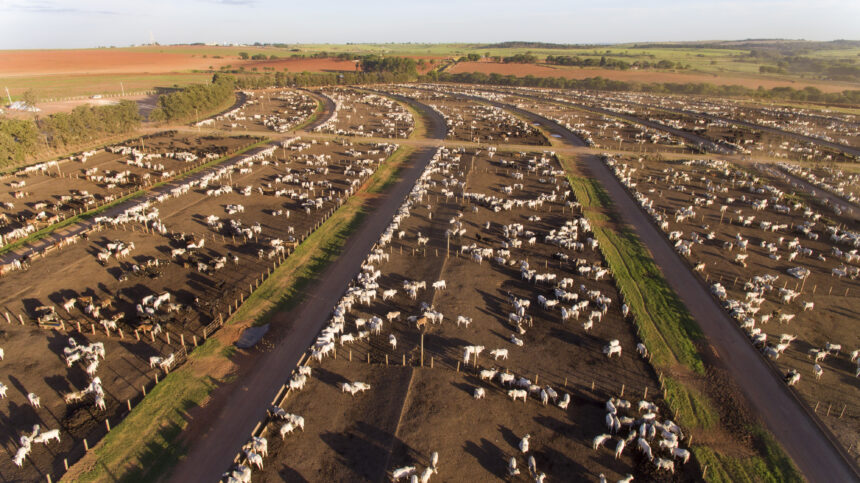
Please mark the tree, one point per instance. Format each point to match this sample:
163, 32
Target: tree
243, 55
30, 98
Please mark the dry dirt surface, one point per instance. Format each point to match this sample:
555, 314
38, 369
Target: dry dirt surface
52, 107
410, 411
91, 179
673, 185
543, 70
365, 114
200, 293
267, 110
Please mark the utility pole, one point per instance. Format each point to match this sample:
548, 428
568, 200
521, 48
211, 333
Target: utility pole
122, 88
8, 95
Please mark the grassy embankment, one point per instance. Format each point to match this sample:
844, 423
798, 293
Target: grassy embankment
144, 446
670, 333
44, 232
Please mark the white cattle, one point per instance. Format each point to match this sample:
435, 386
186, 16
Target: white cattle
499, 353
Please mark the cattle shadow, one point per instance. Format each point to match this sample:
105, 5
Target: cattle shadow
328, 377
465, 387
115, 272
60, 296
288, 474
493, 302
510, 437
30, 305
363, 449
562, 466
567, 336
489, 456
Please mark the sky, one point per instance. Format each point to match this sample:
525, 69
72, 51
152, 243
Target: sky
30, 24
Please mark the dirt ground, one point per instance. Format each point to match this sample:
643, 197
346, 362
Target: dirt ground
266, 110
741, 138
834, 316
52, 107
419, 410
365, 115
34, 362
83, 184
601, 131
644, 76
472, 121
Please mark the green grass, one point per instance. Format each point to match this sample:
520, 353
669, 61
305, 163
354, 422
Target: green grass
691, 408
389, 171
312, 118
144, 445
771, 465
44, 232
669, 331
73, 85
663, 321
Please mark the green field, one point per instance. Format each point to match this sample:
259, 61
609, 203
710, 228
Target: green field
706, 60
58, 87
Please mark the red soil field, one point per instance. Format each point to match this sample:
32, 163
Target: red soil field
98, 61
543, 70
19, 63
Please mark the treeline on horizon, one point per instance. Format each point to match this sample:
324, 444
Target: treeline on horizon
807, 94
307, 79
610, 63
21, 138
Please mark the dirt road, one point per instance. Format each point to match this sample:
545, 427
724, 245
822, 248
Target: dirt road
806, 440
327, 109
691, 137
247, 402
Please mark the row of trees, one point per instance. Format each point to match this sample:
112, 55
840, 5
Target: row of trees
807, 94
190, 101
314, 79
20, 139
610, 63
395, 65
520, 59
86, 123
